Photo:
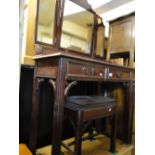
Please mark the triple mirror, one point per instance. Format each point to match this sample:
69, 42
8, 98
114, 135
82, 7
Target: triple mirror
77, 27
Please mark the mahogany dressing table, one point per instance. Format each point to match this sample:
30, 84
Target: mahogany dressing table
70, 49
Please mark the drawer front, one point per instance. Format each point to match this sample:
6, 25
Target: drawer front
85, 70
46, 71
99, 113
116, 73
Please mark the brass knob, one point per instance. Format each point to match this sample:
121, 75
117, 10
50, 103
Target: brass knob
110, 74
84, 69
101, 74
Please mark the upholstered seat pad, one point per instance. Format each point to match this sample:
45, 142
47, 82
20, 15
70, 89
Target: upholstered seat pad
88, 102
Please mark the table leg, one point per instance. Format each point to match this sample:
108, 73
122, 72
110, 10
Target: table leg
34, 114
78, 134
129, 105
113, 134
58, 108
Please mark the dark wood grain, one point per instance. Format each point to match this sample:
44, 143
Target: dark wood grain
35, 113
58, 107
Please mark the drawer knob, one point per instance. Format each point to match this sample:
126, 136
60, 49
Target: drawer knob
84, 69
101, 74
109, 109
110, 74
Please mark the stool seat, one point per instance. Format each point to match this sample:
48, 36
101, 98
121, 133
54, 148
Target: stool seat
80, 109
91, 107
88, 102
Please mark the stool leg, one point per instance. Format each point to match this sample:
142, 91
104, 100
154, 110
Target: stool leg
78, 134
113, 135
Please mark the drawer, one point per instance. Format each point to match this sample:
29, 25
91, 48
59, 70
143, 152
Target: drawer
46, 71
118, 73
85, 70
99, 113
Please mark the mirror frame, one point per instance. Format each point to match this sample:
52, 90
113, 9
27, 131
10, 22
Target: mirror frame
53, 43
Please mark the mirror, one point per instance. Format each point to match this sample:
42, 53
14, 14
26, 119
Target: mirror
100, 42
77, 28
45, 21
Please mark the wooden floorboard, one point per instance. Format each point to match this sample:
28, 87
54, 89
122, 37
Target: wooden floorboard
99, 146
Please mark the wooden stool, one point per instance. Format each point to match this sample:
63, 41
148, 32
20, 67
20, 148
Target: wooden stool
81, 109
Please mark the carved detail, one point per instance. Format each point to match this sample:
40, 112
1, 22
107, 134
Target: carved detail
70, 85
52, 82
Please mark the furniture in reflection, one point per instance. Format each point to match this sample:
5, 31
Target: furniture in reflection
121, 43
100, 39
80, 110
64, 55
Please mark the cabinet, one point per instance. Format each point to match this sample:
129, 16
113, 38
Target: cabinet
121, 43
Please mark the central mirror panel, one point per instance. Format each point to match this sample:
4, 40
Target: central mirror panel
77, 28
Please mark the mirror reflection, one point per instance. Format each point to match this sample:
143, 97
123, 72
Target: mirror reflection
100, 39
77, 28
45, 25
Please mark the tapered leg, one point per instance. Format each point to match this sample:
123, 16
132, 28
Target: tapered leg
113, 135
78, 134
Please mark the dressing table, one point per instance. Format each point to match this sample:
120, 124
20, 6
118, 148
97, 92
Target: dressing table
69, 48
